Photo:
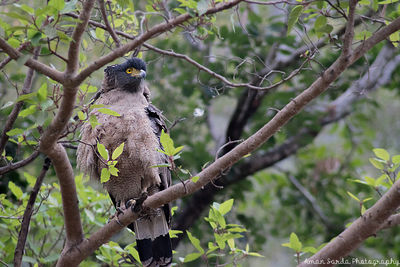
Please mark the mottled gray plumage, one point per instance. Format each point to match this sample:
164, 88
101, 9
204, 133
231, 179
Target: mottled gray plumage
139, 127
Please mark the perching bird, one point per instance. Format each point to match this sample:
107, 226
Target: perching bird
139, 128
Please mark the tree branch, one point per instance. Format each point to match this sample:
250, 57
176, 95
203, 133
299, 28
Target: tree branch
382, 68
76, 254
26, 88
8, 59
73, 51
349, 33
19, 164
152, 32
392, 221
222, 78
23, 233
365, 226
107, 23
31, 63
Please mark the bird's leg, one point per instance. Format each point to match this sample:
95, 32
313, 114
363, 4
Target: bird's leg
136, 204
117, 213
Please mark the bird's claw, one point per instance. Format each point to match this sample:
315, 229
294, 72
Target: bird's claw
137, 206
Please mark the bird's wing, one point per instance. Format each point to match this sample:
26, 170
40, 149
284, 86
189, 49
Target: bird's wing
157, 123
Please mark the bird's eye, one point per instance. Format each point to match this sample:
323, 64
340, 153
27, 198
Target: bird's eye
129, 70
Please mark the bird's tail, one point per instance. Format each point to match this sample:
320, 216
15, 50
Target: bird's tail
152, 239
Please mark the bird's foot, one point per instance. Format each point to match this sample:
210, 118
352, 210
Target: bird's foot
136, 206
116, 214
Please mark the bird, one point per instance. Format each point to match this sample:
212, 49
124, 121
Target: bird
139, 127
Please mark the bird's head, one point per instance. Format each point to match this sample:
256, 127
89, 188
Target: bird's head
128, 75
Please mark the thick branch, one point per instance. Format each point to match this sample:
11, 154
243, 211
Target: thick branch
23, 233
31, 63
349, 33
392, 221
26, 88
65, 174
73, 52
367, 225
152, 32
382, 70
78, 253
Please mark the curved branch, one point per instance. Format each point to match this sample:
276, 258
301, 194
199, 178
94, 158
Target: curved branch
107, 23
152, 32
19, 164
76, 254
222, 78
32, 63
26, 88
23, 233
368, 224
73, 51
382, 70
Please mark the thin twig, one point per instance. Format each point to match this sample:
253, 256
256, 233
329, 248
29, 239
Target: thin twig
107, 23
26, 88
19, 164
8, 59
23, 233
272, 3
222, 78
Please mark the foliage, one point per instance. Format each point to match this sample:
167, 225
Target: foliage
331, 162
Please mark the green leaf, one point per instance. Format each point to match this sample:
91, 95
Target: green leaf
105, 175
370, 181
320, 22
16, 190
396, 159
195, 179
167, 143
295, 243
363, 209
387, 2
178, 149
90, 215
294, 17
35, 39
25, 97
380, 180
15, 131
102, 151
132, 250
202, 7
310, 250
118, 151
376, 163
27, 9
81, 115
255, 254
192, 256
100, 34
113, 171
353, 196
109, 112
42, 92
30, 179
57, 4
93, 121
226, 206
28, 111
381, 153
195, 242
